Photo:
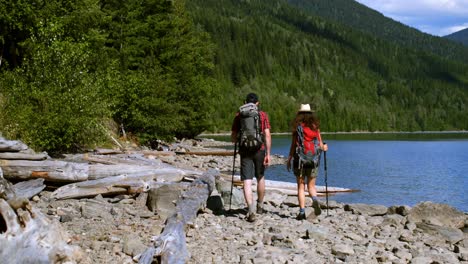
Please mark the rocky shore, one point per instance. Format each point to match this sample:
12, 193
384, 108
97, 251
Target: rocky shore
116, 229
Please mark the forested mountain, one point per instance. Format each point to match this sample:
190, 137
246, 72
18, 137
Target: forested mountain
357, 81
460, 36
75, 73
360, 17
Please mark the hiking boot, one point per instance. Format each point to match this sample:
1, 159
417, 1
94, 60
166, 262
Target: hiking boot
260, 208
301, 216
251, 217
316, 206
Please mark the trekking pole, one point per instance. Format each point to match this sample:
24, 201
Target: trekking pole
326, 178
233, 169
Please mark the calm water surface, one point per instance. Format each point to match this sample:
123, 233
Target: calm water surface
391, 172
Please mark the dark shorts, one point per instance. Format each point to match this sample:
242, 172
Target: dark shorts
307, 171
252, 165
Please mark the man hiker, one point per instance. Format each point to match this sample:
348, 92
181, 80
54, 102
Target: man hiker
251, 131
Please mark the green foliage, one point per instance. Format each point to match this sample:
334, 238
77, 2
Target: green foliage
362, 18
69, 66
357, 81
53, 101
52, 98
165, 63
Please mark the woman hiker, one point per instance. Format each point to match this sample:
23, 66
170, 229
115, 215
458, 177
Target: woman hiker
307, 125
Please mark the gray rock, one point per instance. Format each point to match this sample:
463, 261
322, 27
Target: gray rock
237, 198
132, 245
402, 210
275, 198
341, 251
451, 235
162, 200
366, 209
437, 214
393, 220
94, 209
421, 260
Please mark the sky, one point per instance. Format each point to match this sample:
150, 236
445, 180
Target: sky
435, 17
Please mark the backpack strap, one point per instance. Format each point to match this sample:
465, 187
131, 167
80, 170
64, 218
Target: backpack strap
300, 146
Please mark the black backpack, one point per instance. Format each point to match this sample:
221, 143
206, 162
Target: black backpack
251, 136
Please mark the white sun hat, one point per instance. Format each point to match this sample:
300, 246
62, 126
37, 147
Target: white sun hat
305, 108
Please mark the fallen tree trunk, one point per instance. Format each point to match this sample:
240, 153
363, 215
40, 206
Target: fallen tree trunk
11, 145
98, 171
63, 171
23, 156
206, 153
50, 170
27, 236
122, 184
171, 245
27, 189
289, 188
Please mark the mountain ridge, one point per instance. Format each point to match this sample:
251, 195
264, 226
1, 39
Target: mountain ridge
358, 81
459, 36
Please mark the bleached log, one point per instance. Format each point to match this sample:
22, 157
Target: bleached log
158, 153
27, 236
136, 182
27, 189
289, 188
293, 186
206, 153
106, 186
23, 156
98, 159
50, 170
108, 151
98, 171
171, 244
11, 145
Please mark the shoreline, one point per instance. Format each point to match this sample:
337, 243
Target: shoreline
463, 132
118, 228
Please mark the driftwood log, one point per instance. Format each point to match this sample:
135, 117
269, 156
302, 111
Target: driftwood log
50, 170
23, 156
12, 145
171, 246
289, 188
122, 184
64, 171
26, 235
27, 189
206, 153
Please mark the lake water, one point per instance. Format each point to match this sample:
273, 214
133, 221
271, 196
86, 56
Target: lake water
405, 170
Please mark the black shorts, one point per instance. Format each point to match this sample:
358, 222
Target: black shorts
252, 165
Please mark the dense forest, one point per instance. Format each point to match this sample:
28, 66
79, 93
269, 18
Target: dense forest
360, 17
357, 81
73, 73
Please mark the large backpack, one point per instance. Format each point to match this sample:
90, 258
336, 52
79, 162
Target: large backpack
251, 136
308, 146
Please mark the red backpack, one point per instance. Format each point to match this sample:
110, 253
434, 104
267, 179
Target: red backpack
308, 145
